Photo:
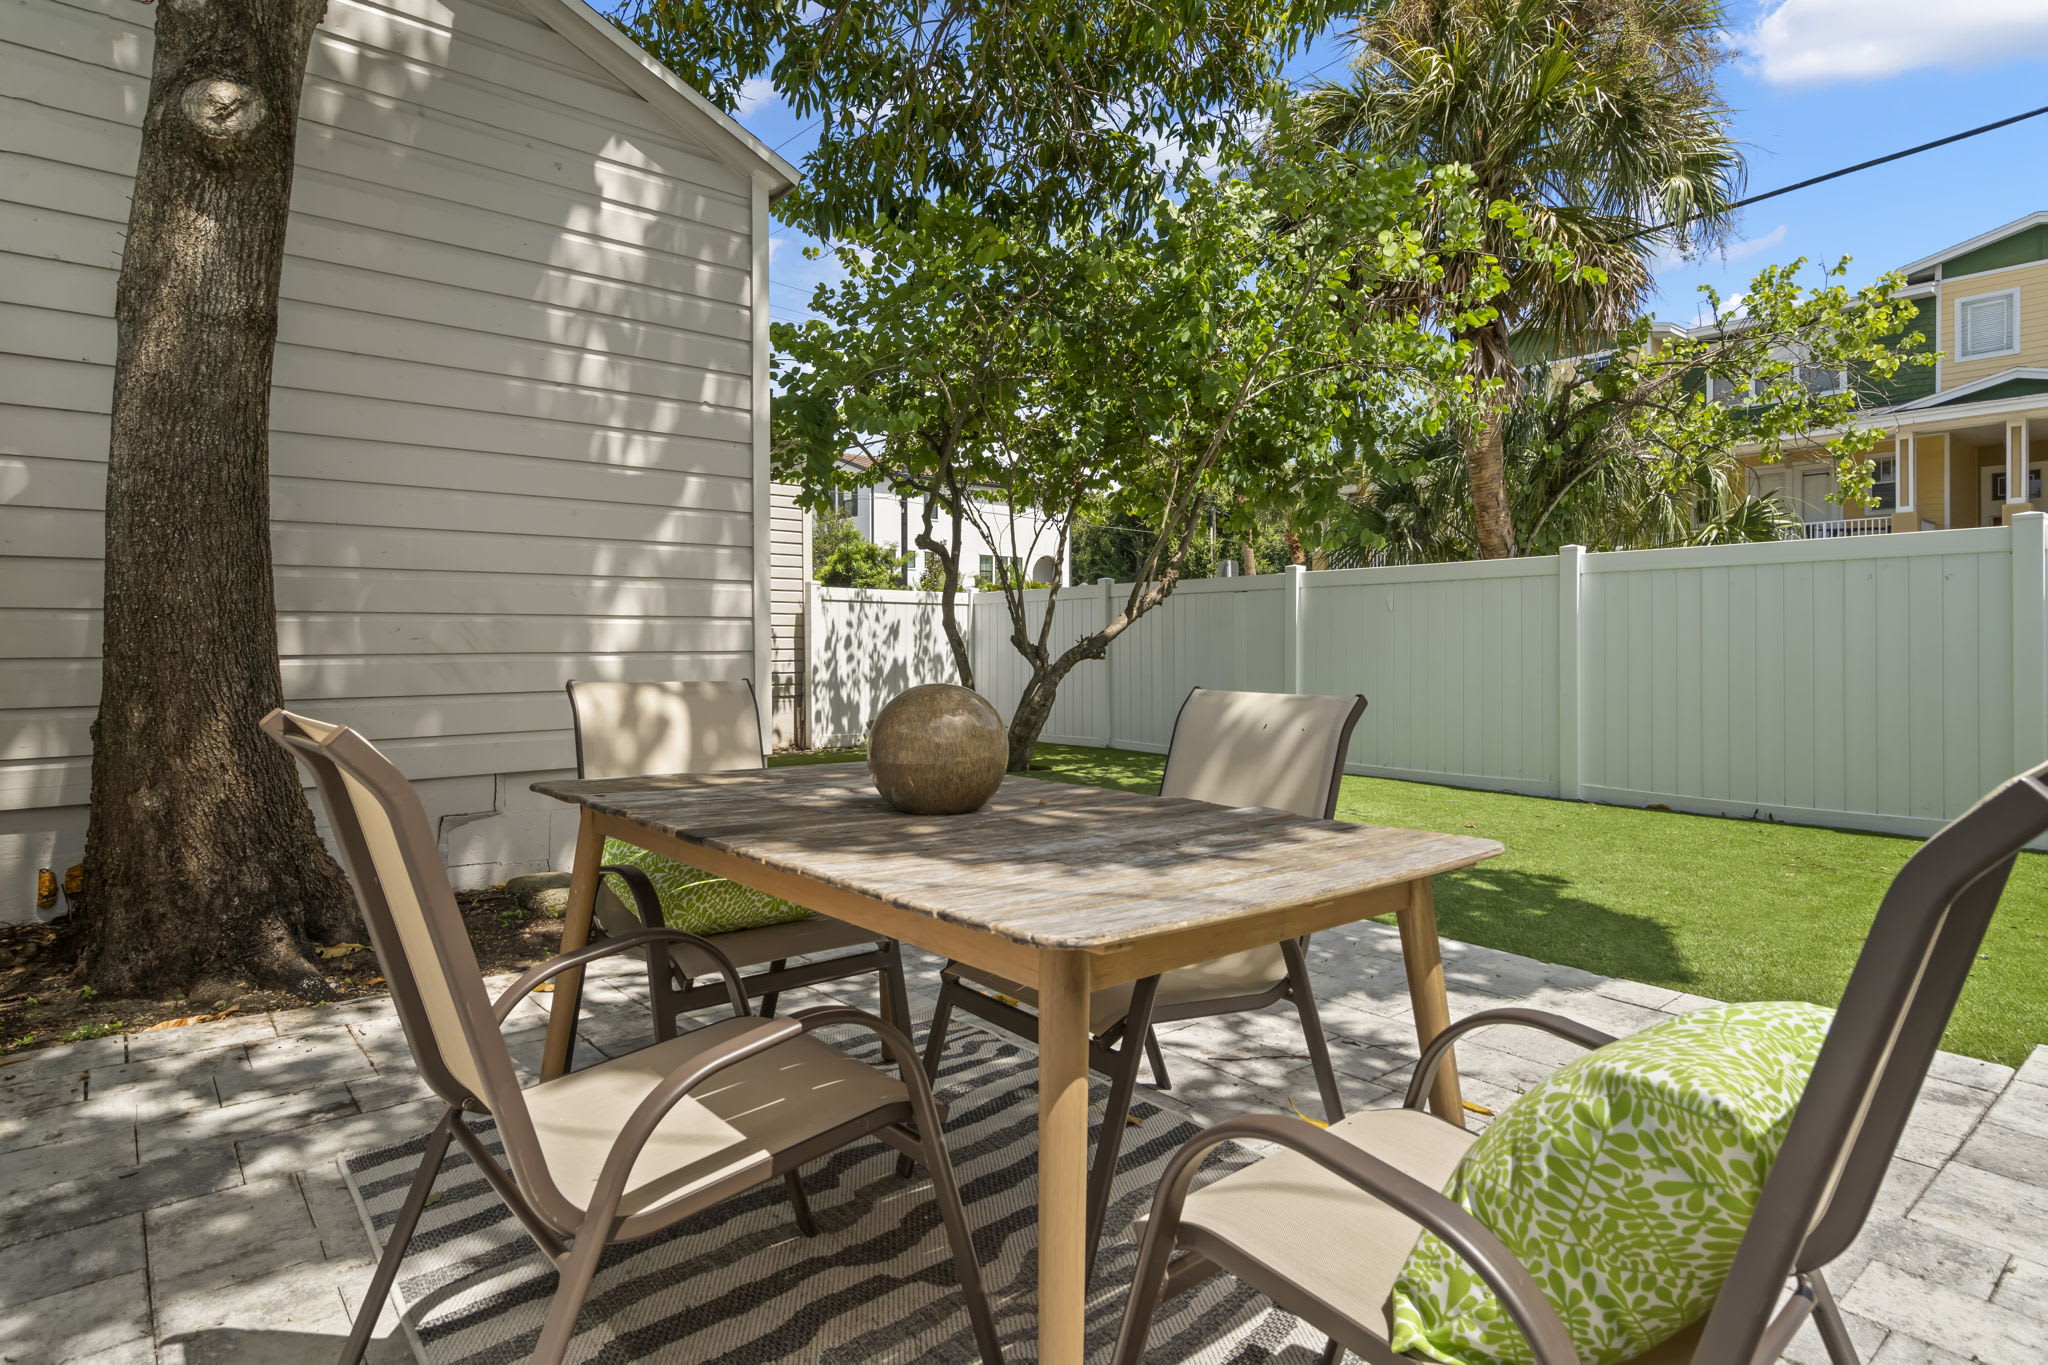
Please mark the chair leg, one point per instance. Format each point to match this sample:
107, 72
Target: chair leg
1303, 995
768, 1000
1102, 1173
934, 1053
1160, 1080
401, 1237
1827, 1317
953, 1212
577, 1270
1333, 1354
896, 990
1148, 1288
799, 1204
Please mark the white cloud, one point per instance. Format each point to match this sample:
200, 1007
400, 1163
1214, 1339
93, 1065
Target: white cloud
1669, 258
1813, 42
1753, 246
756, 93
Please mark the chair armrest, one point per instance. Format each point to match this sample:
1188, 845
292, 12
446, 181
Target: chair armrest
1465, 1235
645, 900
643, 938
1433, 1056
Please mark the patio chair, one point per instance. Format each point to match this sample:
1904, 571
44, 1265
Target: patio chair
1283, 751
627, 1147
624, 729
1323, 1227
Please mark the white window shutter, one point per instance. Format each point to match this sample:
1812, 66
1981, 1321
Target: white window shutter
1988, 326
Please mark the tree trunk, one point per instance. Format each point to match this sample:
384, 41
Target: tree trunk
203, 868
1486, 470
1295, 554
1247, 557
1034, 709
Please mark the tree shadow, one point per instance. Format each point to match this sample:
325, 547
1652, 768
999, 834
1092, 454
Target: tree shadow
1540, 915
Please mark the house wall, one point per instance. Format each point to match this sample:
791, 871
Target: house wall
512, 436
2032, 282
880, 516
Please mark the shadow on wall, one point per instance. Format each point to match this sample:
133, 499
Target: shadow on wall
872, 649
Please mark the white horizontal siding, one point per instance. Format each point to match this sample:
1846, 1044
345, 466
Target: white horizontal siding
512, 423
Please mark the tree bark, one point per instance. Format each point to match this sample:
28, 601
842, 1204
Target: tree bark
203, 868
1493, 525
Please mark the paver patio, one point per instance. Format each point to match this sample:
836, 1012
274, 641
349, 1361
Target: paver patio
174, 1196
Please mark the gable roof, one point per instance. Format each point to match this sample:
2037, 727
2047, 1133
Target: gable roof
2015, 382
603, 42
1982, 239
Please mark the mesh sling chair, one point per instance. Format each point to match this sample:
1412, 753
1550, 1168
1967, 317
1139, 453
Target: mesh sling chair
624, 729
624, 1148
1280, 751
1324, 1226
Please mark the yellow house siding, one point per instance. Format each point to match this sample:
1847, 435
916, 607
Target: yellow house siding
2032, 282
1930, 499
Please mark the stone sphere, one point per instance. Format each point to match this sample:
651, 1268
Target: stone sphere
938, 750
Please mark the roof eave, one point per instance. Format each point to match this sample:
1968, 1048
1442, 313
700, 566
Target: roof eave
601, 41
1982, 239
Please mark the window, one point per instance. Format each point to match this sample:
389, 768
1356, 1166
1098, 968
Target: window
1884, 483
1820, 379
847, 501
1998, 483
1725, 391
1987, 325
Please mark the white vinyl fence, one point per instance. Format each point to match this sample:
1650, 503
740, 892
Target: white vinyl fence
1879, 682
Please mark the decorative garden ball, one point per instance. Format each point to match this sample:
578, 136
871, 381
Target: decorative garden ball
937, 750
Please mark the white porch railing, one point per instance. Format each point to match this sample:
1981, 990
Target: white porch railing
1848, 526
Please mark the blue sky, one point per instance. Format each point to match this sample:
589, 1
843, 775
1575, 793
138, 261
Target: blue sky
1818, 84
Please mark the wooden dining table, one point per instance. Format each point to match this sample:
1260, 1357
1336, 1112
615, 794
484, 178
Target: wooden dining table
1063, 888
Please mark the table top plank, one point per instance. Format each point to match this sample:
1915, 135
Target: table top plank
1048, 864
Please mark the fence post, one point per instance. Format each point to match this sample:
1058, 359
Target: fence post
1290, 626
1571, 569
807, 685
2029, 639
1108, 589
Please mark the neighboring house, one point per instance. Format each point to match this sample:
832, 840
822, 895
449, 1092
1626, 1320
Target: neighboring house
1023, 540
519, 425
1962, 434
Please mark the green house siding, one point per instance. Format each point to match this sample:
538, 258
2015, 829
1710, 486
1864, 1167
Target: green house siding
1912, 381
2011, 388
2030, 244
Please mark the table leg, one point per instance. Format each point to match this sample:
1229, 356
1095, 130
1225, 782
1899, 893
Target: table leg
567, 1001
1062, 1157
1422, 955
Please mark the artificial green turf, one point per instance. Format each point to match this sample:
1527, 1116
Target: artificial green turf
1732, 909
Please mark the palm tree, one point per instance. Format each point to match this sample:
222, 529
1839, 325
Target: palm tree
1574, 477
1599, 118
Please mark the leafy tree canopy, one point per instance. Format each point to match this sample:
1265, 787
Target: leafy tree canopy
1246, 345
1021, 109
844, 558
1637, 447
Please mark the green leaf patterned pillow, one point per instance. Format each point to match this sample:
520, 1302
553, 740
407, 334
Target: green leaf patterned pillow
1624, 1182
699, 903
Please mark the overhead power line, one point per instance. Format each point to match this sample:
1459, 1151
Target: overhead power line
1813, 180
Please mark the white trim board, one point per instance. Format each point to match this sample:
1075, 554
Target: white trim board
1982, 239
601, 41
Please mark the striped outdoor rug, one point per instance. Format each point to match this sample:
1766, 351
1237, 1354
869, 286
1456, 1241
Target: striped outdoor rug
739, 1286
